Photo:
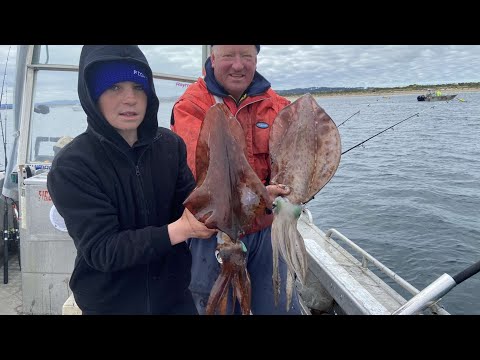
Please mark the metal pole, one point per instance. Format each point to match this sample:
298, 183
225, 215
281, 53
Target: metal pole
436, 290
17, 231
432, 292
5, 241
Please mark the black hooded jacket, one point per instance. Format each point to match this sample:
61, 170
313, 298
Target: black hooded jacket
117, 201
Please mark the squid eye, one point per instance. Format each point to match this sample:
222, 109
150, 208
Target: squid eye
244, 248
217, 255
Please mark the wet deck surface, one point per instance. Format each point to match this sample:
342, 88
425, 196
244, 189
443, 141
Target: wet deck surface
11, 293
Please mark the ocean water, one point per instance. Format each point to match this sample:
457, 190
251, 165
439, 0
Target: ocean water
410, 196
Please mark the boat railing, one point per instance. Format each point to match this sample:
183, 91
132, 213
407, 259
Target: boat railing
366, 258
33, 67
74, 68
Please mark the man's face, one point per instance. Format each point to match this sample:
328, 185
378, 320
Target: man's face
234, 67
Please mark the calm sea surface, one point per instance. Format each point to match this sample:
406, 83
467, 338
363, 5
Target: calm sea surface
410, 196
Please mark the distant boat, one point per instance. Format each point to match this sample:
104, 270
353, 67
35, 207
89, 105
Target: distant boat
77, 107
342, 276
435, 96
41, 109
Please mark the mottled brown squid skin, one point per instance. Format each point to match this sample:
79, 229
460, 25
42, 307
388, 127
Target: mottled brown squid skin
305, 151
229, 196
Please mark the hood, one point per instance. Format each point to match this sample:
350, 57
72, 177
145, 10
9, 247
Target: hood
258, 86
95, 53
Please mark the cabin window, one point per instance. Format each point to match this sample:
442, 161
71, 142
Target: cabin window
56, 113
56, 54
56, 108
162, 58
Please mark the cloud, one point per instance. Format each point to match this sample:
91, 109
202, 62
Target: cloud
294, 66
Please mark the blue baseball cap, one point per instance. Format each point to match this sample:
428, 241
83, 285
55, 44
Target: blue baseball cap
103, 75
257, 46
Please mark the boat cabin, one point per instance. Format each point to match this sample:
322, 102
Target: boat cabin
342, 277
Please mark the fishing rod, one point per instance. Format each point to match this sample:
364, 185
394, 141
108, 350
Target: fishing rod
4, 133
371, 137
390, 127
4, 74
444, 283
5, 199
358, 112
436, 290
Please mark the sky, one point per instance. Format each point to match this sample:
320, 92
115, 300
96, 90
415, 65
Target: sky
300, 66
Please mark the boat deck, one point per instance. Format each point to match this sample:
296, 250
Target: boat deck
11, 293
355, 288
336, 280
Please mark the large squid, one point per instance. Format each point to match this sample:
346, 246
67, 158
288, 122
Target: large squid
229, 196
305, 152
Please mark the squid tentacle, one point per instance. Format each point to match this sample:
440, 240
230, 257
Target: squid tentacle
287, 241
219, 292
275, 250
233, 274
244, 290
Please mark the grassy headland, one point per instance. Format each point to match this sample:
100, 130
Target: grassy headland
411, 89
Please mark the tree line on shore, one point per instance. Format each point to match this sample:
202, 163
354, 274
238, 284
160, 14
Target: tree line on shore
352, 90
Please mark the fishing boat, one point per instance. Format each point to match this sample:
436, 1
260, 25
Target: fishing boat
342, 277
435, 96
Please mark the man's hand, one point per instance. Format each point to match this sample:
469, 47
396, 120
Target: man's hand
275, 190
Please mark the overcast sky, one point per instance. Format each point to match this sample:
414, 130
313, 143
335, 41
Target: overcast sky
292, 66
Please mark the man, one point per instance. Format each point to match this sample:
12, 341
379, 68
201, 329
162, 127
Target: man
120, 187
231, 78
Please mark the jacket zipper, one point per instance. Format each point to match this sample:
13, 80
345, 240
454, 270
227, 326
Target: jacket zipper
137, 173
245, 105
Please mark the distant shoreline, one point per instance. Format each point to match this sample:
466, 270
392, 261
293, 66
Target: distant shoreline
385, 93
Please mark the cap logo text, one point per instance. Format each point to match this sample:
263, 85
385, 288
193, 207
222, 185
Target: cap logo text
136, 72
